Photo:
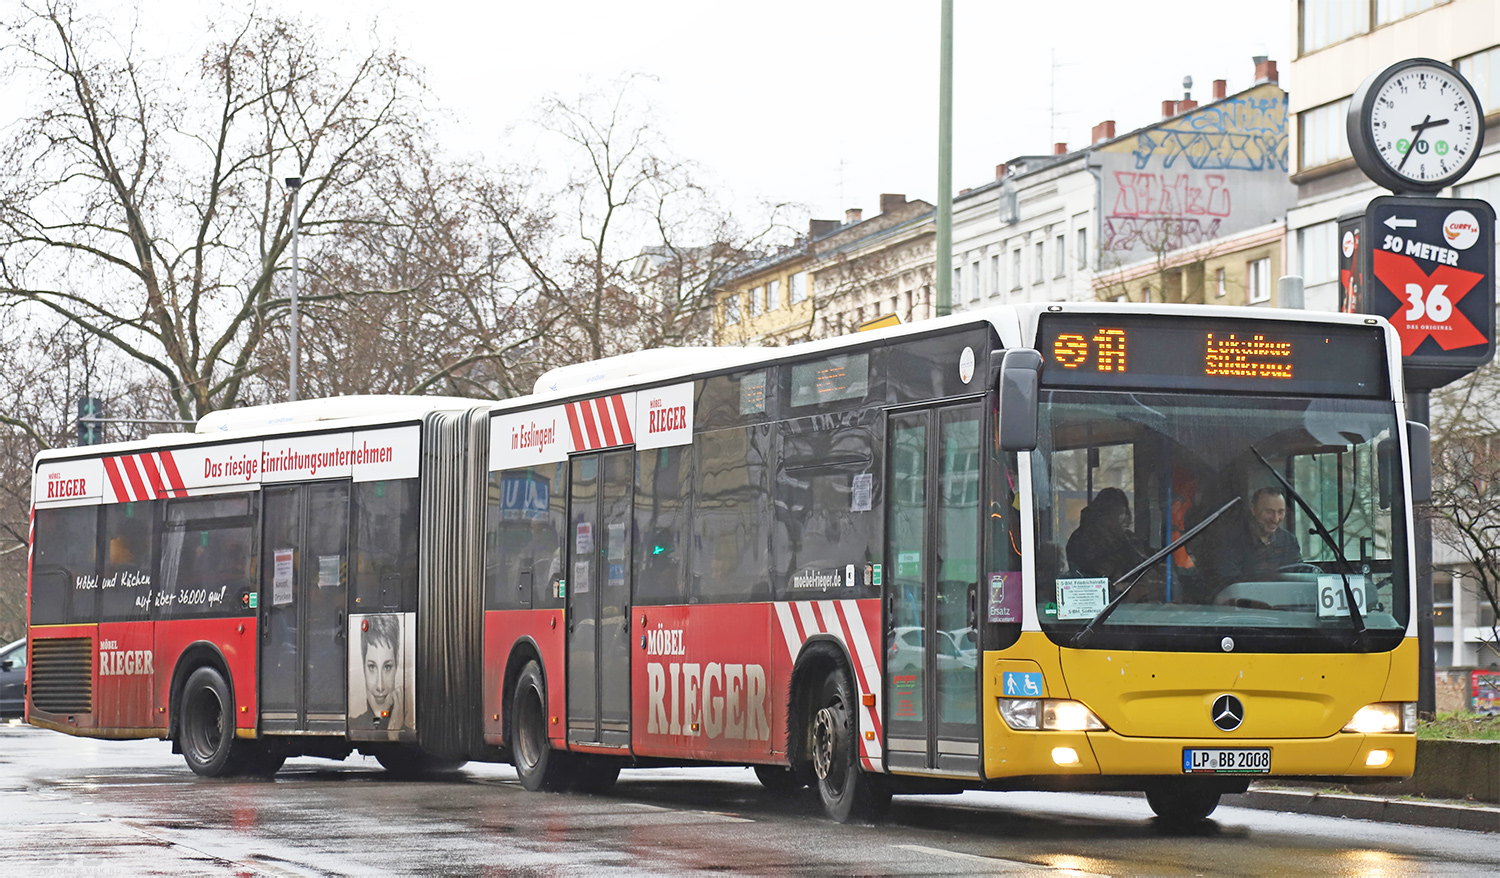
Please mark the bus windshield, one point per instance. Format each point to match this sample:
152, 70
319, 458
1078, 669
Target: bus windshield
1309, 508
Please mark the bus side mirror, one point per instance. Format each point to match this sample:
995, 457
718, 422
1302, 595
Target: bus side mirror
1020, 372
1386, 461
1420, 441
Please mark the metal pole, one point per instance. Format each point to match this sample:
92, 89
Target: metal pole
1418, 409
295, 184
944, 269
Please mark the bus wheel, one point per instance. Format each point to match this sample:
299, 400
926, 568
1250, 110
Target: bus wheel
1182, 804
206, 729
540, 767
848, 792
778, 779
260, 762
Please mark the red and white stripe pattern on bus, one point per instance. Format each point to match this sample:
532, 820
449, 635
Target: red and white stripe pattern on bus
147, 476
845, 622
600, 423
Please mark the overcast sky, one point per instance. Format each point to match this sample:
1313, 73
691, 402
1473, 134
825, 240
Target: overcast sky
822, 103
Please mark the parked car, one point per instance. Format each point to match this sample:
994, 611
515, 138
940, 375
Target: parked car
13, 679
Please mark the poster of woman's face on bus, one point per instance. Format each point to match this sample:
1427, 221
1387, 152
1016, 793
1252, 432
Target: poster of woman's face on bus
382, 673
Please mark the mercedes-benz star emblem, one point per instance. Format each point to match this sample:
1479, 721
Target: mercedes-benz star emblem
1227, 713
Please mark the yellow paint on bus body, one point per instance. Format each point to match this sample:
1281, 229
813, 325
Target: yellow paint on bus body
1155, 704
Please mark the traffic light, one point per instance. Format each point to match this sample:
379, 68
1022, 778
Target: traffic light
90, 432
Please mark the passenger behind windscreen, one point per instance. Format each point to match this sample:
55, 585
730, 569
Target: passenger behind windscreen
1104, 545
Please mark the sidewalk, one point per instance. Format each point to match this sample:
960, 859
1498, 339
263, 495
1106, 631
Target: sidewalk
1445, 813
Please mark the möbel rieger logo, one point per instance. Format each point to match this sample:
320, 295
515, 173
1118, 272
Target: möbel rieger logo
1348, 244
1461, 229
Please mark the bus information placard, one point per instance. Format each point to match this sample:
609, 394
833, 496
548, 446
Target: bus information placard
1140, 352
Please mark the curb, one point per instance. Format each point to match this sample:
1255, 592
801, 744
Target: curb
1413, 812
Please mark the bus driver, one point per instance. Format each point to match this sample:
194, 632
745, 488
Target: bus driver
1264, 547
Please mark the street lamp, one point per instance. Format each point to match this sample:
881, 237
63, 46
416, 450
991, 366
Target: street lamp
294, 184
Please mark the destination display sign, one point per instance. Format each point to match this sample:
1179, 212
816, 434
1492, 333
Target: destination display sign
1430, 271
1140, 352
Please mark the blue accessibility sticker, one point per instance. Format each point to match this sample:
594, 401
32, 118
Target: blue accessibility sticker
1022, 685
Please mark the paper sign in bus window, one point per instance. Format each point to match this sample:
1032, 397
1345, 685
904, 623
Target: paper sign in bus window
281, 578
1081, 598
329, 573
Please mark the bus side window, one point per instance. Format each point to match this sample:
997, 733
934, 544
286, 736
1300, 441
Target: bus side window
827, 503
731, 520
65, 572
126, 589
208, 557
523, 539
385, 545
663, 500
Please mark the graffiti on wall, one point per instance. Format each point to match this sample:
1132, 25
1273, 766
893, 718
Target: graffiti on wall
1214, 171
1242, 134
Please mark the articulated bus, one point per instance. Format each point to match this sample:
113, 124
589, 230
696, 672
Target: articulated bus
1082, 547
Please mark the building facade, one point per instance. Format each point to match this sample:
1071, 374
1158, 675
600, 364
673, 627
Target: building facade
1340, 43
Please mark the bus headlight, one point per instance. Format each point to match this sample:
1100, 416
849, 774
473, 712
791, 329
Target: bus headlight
1049, 714
1384, 717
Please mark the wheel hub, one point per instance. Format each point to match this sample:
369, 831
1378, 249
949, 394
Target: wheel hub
826, 725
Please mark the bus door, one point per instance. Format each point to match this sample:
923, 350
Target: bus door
932, 553
598, 597
304, 674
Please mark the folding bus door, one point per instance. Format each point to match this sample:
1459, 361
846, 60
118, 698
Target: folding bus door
932, 553
598, 597
304, 673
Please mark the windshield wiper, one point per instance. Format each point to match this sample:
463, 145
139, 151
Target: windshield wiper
1140, 569
1355, 615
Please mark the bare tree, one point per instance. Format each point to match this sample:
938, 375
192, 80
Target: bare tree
144, 205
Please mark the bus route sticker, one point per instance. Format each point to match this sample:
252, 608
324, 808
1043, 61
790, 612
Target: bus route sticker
281, 578
861, 498
1005, 598
1081, 598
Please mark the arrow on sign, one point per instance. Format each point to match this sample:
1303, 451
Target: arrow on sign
1398, 223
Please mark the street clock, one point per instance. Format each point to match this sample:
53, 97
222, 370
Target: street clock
1416, 126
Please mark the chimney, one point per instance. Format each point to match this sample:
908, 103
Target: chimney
1000, 171
818, 228
1059, 149
1104, 131
852, 216
965, 191
1168, 109
1221, 89
1265, 70
1184, 106
892, 203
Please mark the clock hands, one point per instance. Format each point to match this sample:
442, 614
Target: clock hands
1420, 129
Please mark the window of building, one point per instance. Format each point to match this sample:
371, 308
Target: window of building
1039, 270
1015, 269
773, 295
755, 300
1324, 138
1081, 249
732, 310
1487, 189
995, 275
1482, 70
1325, 22
896, 305
1060, 255
974, 281
958, 284
1317, 247
1387, 11
797, 288
1258, 280
909, 304
1219, 286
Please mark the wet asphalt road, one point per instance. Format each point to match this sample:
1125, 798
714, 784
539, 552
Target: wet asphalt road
71, 806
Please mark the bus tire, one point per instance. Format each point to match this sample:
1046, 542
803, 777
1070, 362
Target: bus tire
778, 779
261, 761
538, 765
1182, 804
848, 792
205, 731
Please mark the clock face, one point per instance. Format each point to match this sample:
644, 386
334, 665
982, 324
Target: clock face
1424, 125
